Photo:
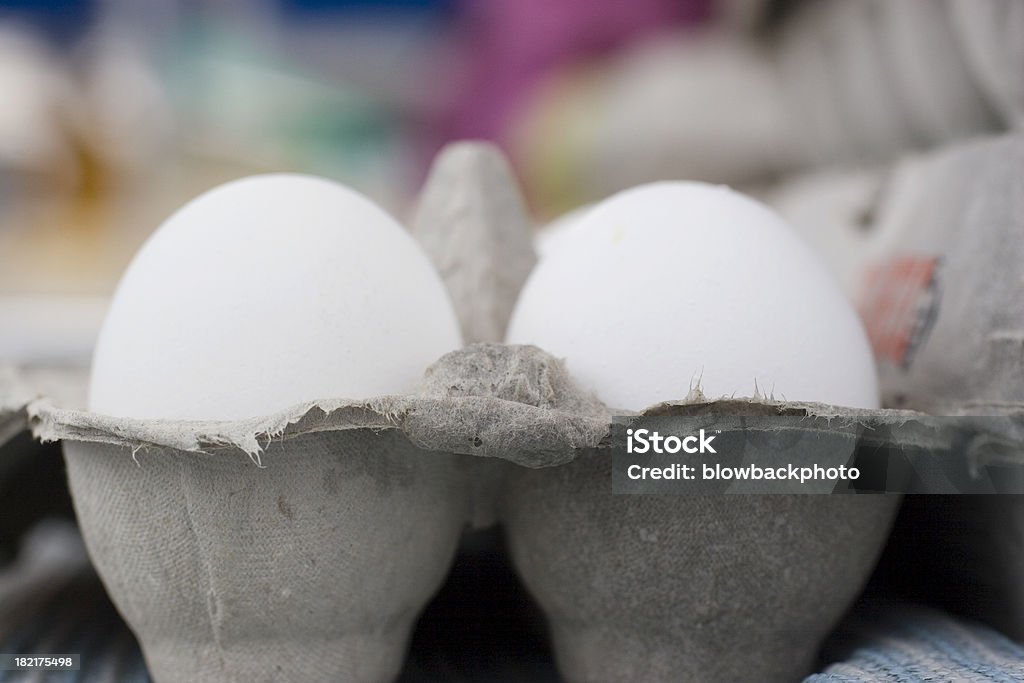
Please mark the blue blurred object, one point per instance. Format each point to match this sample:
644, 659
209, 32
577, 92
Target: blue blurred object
59, 20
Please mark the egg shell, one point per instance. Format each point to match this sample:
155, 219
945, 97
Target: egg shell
267, 292
673, 286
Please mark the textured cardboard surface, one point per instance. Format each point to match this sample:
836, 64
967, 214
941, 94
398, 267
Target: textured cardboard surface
513, 403
473, 223
933, 246
312, 568
946, 267
489, 400
654, 588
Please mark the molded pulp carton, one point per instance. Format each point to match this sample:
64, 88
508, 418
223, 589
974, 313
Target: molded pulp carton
301, 546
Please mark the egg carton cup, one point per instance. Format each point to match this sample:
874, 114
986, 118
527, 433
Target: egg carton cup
302, 546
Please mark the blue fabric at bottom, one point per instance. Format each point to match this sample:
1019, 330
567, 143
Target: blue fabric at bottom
918, 645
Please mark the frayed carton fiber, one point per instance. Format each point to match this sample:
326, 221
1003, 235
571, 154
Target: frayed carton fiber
301, 546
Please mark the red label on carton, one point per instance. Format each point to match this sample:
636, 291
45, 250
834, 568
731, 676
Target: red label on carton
899, 303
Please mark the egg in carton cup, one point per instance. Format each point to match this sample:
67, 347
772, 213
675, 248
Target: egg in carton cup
302, 545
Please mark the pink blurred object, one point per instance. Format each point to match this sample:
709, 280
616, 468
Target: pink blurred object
515, 43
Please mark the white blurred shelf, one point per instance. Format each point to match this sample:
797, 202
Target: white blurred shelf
49, 330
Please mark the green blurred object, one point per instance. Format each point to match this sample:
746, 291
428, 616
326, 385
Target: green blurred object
241, 100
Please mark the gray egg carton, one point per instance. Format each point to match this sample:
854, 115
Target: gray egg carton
302, 546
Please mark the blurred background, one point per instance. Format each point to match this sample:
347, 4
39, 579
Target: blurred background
116, 112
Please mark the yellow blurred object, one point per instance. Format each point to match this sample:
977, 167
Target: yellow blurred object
552, 140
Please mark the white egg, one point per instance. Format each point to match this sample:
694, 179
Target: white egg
676, 285
267, 292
